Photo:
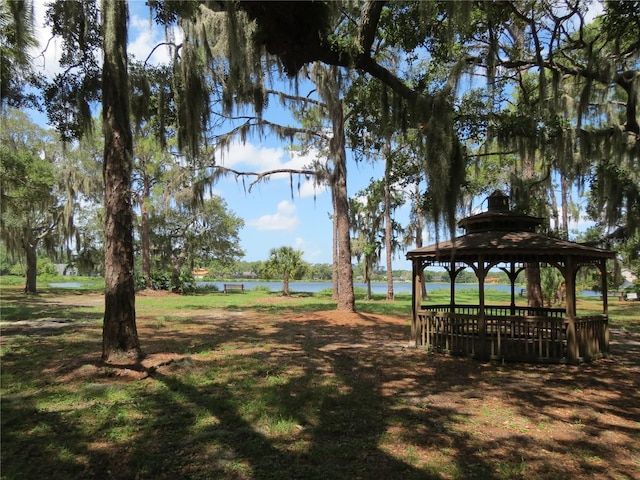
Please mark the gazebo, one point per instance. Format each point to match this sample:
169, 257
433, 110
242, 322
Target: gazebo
499, 238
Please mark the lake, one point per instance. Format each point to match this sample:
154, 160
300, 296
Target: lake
376, 287
313, 287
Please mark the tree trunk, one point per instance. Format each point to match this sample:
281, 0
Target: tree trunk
565, 206
419, 227
532, 270
388, 225
346, 297
119, 332
368, 273
335, 278
534, 289
285, 285
145, 233
31, 272
177, 262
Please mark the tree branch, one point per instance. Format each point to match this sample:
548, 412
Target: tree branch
369, 24
171, 44
260, 176
297, 98
284, 132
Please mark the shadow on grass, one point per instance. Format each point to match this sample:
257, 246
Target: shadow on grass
217, 422
249, 397
18, 306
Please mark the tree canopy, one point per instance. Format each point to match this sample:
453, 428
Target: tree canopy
585, 76
32, 200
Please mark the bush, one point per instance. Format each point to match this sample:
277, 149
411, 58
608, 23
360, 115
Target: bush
159, 281
185, 283
46, 267
261, 288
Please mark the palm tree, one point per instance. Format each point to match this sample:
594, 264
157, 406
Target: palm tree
16, 37
286, 262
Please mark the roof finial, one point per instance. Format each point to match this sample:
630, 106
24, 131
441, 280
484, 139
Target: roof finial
498, 201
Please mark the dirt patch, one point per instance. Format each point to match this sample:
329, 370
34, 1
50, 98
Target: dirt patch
337, 318
156, 293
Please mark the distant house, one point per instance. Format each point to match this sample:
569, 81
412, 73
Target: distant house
199, 272
65, 269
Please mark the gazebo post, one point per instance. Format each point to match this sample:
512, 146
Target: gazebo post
512, 274
512, 279
570, 282
605, 307
452, 286
416, 298
481, 271
603, 286
453, 274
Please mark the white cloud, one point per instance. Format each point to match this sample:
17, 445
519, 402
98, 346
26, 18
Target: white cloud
248, 157
147, 36
310, 253
580, 225
46, 54
309, 189
595, 10
251, 157
144, 36
261, 159
285, 219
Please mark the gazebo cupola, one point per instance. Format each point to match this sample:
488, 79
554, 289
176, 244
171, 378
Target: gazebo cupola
500, 238
499, 217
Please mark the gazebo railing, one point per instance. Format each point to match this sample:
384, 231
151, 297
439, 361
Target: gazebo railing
501, 310
592, 333
502, 335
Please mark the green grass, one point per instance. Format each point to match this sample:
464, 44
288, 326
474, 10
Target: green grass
247, 394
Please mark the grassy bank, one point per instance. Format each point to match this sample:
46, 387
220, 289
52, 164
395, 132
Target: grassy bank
255, 386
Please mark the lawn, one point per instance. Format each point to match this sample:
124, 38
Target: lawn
257, 386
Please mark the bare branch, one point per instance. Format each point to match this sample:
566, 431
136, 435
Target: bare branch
284, 132
170, 44
296, 98
260, 176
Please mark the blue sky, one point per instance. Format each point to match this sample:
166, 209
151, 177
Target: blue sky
274, 215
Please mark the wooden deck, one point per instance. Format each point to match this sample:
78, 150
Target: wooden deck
519, 334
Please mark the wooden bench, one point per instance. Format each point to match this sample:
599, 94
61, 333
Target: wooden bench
618, 295
233, 287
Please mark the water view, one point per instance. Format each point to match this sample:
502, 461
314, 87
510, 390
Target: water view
314, 287
376, 287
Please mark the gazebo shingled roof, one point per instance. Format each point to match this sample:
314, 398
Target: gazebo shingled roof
504, 246
501, 233
501, 237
